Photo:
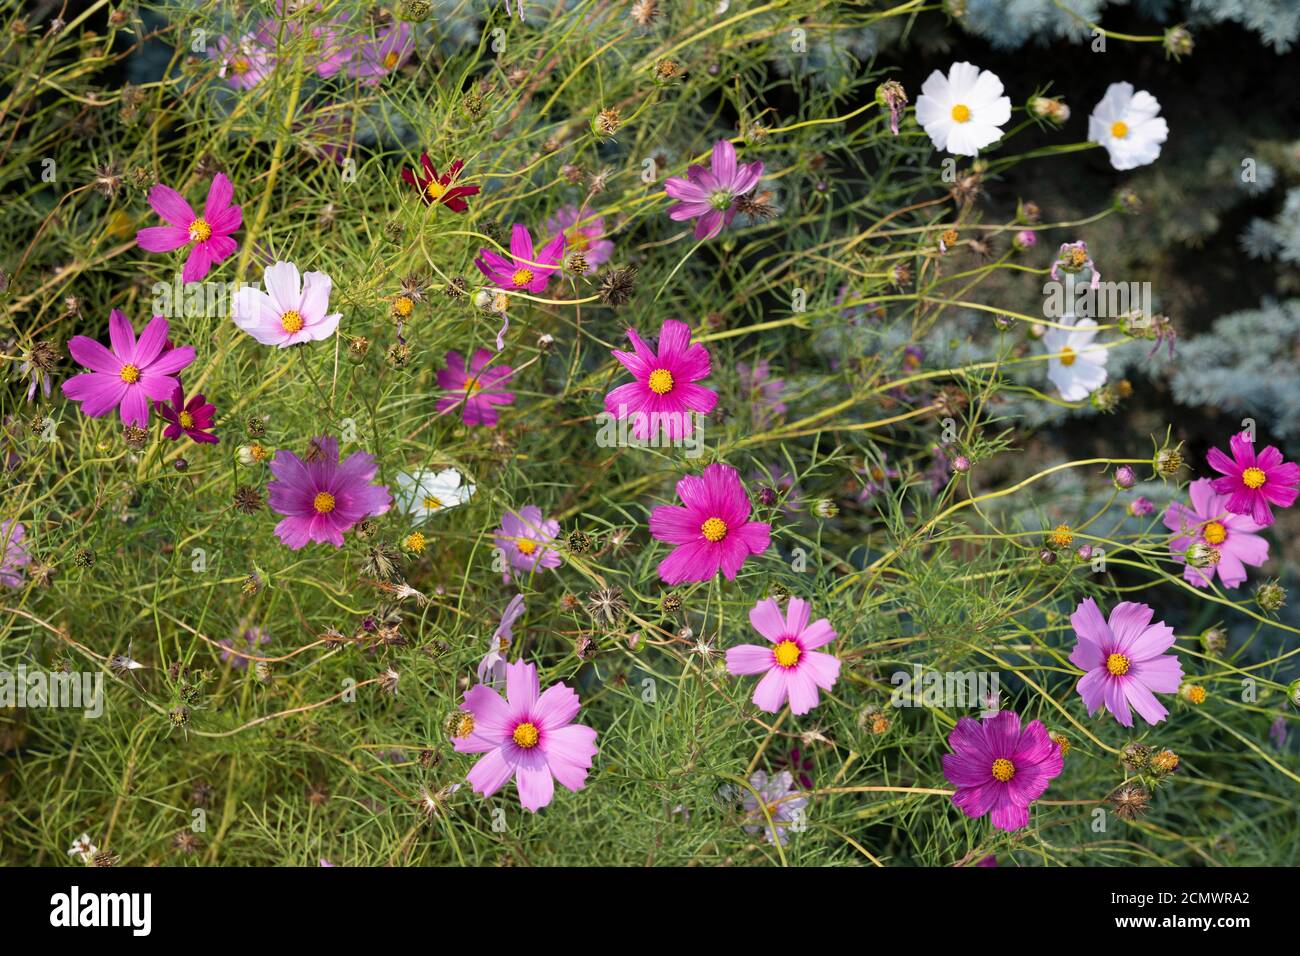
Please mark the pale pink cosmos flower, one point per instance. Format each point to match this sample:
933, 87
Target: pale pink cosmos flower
529, 736
126, 377
712, 532
492, 668
1208, 520
13, 553
709, 194
244, 62
1125, 661
792, 667
207, 235
294, 308
664, 393
525, 541
386, 52
778, 794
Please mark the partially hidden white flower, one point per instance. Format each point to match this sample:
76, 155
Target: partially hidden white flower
424, 493
1128, 124
83, 848
1081, 368
964, 111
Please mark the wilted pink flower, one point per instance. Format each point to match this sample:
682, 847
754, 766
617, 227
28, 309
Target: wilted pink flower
478, 390
1208, 520
208, 235
1073, 257
1125, 661
492, 668
712, 532
791, 666
529, 736
525, 541
13, 553
294, 308
585, 234
664, 394
129, 375
998, 768
193, 418
1252, 482
1140, 507
524, 269
322, 498
709, 195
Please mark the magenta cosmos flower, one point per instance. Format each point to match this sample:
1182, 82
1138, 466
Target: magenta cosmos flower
193, 418
999, 768
524, 269
792, 667
13, 553
585, 234
207, 235
1209, 521
478, 389
529, 735
294, 308
709, 195
525, 541
664, 394
1125, 661
321, 498
129, 375
1252, 482
712, 531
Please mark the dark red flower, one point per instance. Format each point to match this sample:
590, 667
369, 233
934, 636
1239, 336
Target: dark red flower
194, 418
439, 189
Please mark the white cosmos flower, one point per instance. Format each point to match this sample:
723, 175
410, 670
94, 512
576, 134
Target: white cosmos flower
964, 111
1081, 368
425, 492
294, 308
1128, 124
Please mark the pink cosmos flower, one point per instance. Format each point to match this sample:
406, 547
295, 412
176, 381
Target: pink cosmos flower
763, 389
709, 195
792, 667
492, 668
1208, 520
294, 308
13, 554
777, 795
129, 375
525, 539
244, 62
524, 269
238, 657
1125, 661
664, 394
997, 767
387, 52
712, 532
529, 735
478, 390
321, 498
193, 418
209, 234
1254, 481
587, 238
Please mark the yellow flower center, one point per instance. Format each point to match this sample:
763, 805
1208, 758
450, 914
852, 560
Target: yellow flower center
1215, 533
1117, 664
472, 385
1062, 536
323, 503
961, 113
1078, 258
1196, 694
577, 242
715, 529
787, 654
403, 306
1253, 477
1003, 769
239, 66
1067, 356
1119, 129
526, 545
432, 503
130, 374
291, 321
435, 189
661, 381
526, 735
258, 452
390, 61
522, 277
200, 231
464, 725
415, 542
186, 420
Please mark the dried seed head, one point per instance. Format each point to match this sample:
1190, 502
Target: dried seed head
135, 437
1130, 801
617, 286
248, 499
607, 121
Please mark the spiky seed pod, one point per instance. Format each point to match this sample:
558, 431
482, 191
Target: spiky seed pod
1130, 801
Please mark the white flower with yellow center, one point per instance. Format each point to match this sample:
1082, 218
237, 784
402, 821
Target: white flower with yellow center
964, 111
1129, 125
1078, 367
424, 493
